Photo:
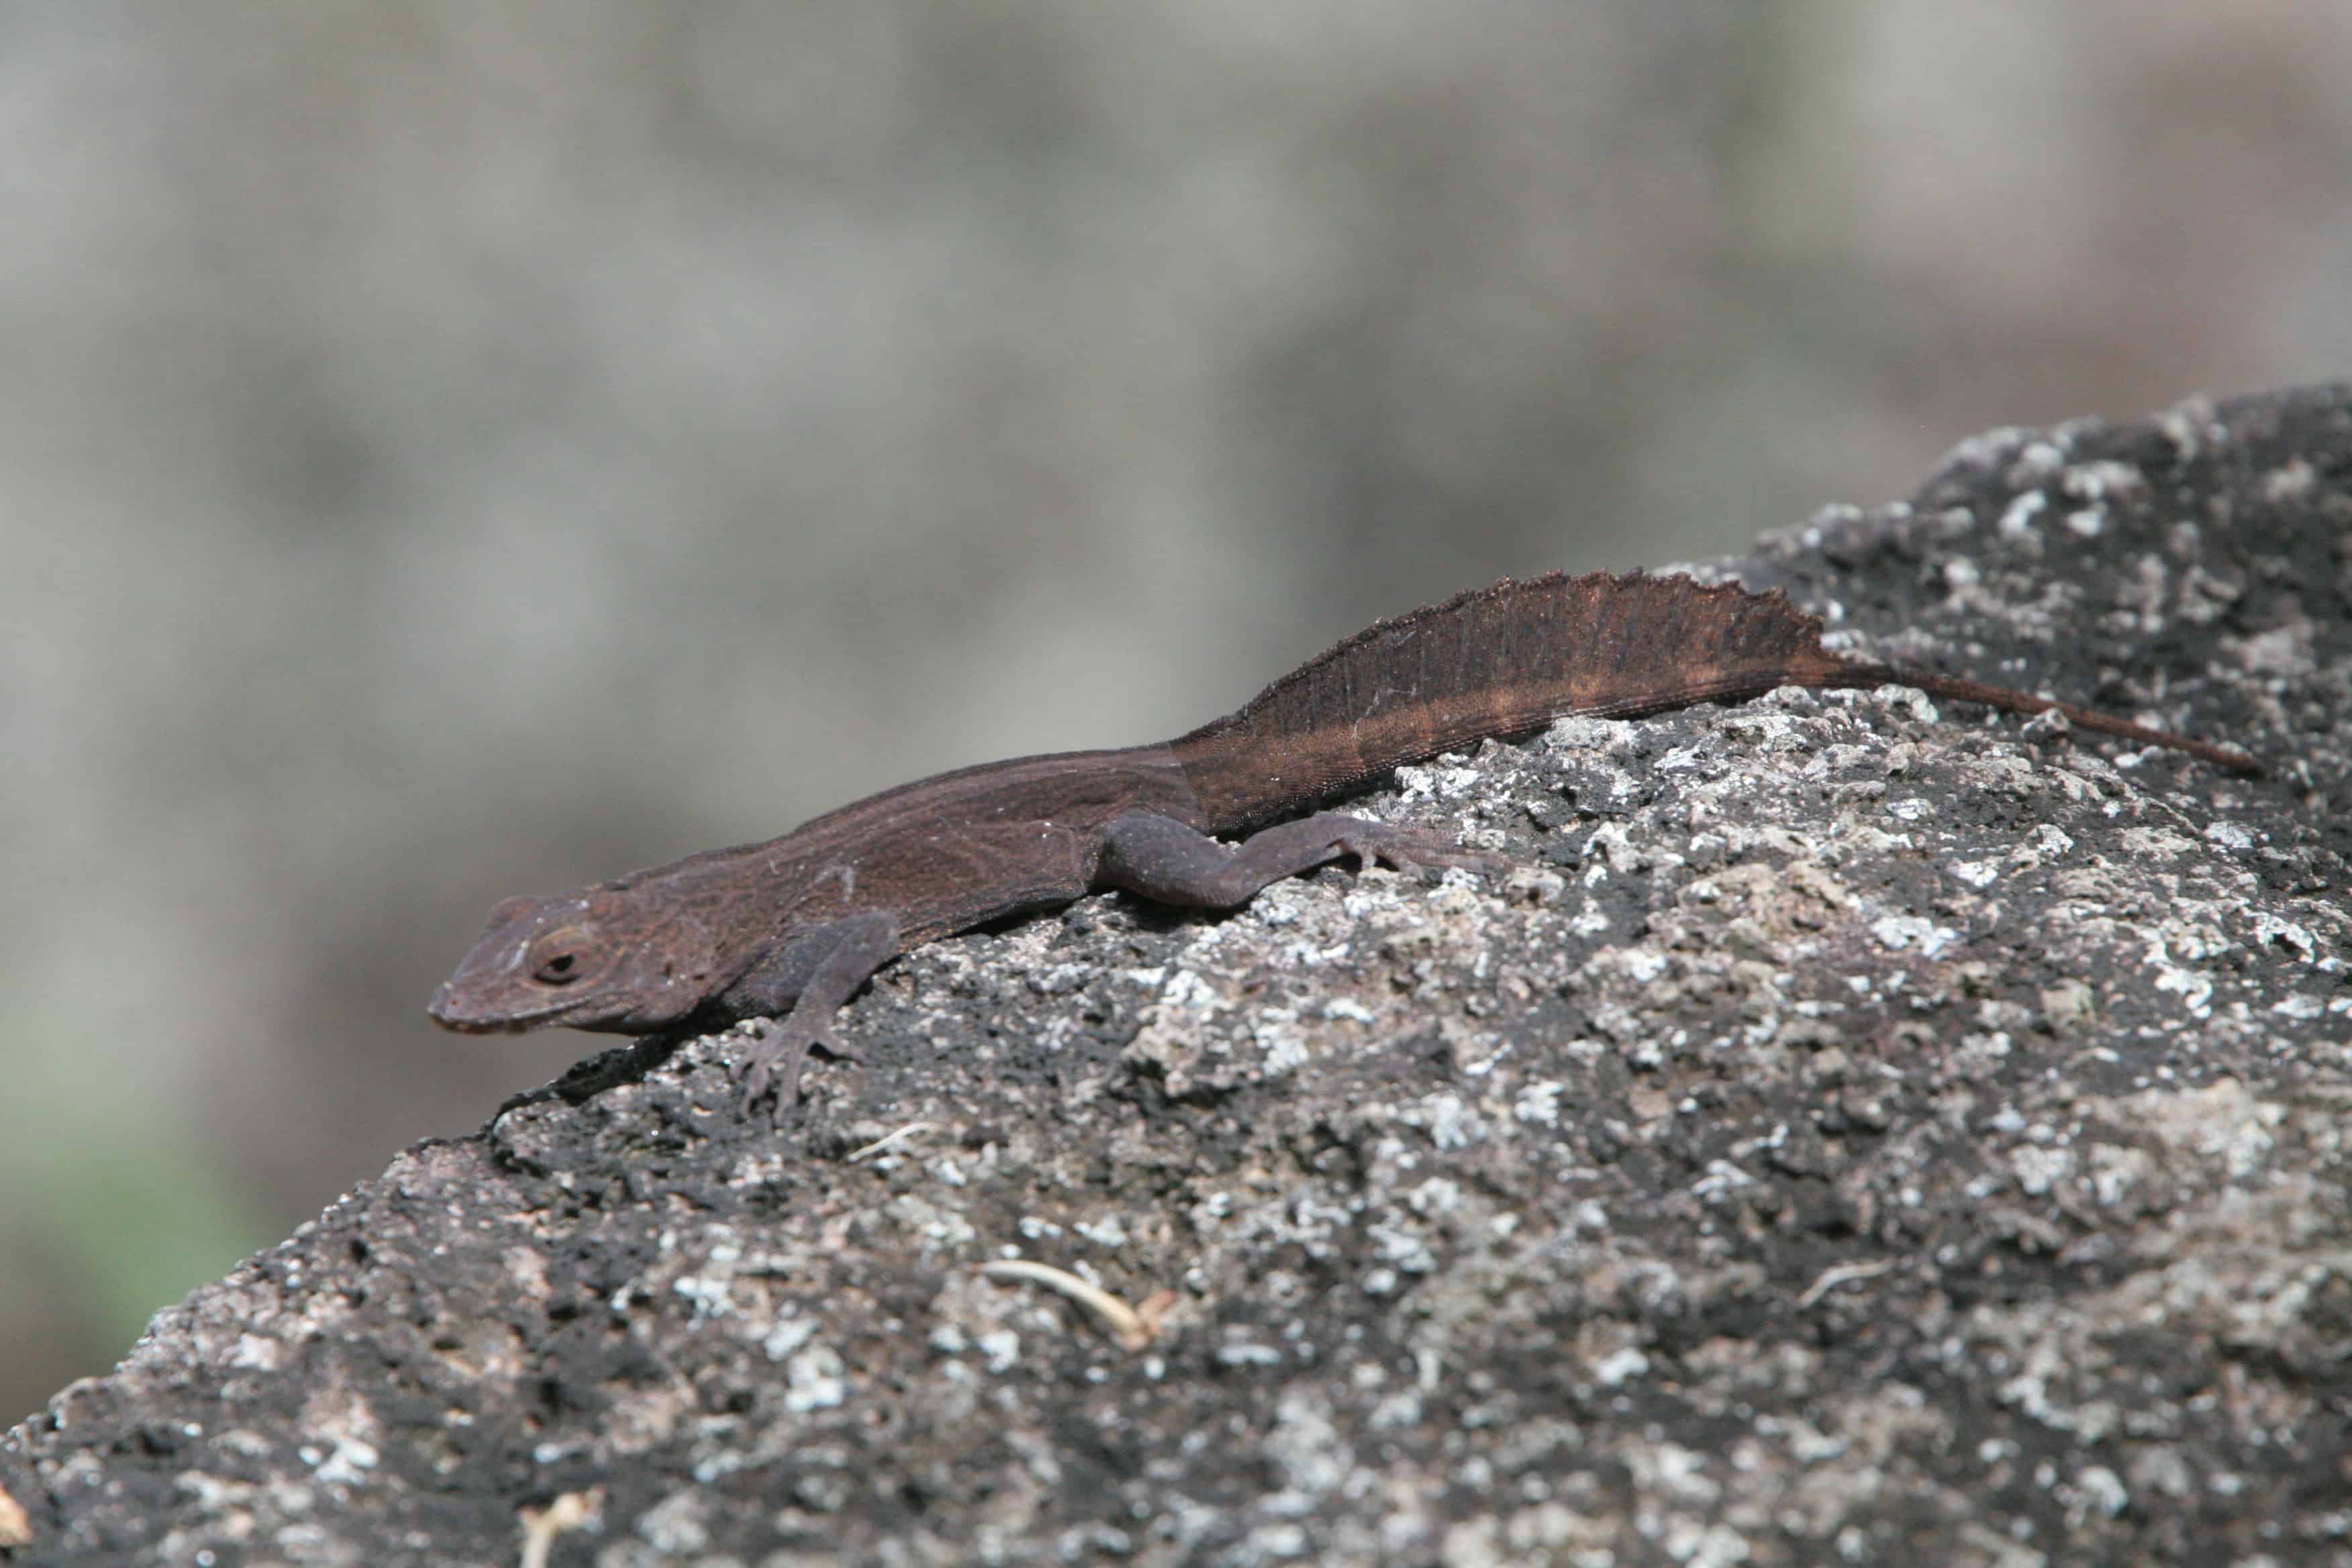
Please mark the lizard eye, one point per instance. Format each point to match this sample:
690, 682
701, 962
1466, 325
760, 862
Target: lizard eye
556, 959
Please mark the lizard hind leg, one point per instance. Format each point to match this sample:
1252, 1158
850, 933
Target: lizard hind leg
1166, 861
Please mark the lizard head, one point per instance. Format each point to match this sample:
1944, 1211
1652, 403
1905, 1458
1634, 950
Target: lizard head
595, 959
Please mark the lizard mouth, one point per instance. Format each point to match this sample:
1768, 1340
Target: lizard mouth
452, 1014
477, 1026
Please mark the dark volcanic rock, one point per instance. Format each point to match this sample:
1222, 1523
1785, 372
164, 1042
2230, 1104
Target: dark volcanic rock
1857, 1132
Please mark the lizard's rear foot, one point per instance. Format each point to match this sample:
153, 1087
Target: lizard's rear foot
1413, 848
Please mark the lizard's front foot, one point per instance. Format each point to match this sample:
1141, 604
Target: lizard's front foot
773, 1058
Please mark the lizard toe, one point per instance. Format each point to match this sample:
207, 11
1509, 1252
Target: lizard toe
1412, 851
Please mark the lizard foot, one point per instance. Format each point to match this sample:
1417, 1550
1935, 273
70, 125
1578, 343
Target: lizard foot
1411, 849
777, 1052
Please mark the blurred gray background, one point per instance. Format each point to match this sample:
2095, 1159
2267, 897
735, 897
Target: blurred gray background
457, 447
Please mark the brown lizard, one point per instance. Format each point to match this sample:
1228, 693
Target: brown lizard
784, 931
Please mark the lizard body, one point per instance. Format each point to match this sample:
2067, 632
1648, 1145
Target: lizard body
787, 930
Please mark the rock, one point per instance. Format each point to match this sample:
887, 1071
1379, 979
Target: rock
1863, 1129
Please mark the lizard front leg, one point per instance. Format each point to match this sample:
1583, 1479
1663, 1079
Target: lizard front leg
817, 972
1163, 859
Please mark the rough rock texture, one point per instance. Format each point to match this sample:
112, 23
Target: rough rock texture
1857, 1132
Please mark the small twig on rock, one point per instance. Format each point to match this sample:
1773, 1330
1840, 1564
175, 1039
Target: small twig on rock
879, 1145
1130, 1329
1833, 1278
542, 1526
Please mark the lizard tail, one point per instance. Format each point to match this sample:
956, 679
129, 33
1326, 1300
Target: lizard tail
1865, 676
1507, 660
1501, 661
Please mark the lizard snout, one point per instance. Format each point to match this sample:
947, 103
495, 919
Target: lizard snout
450, 1012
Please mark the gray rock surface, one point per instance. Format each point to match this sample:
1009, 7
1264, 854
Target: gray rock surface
1855, 1132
